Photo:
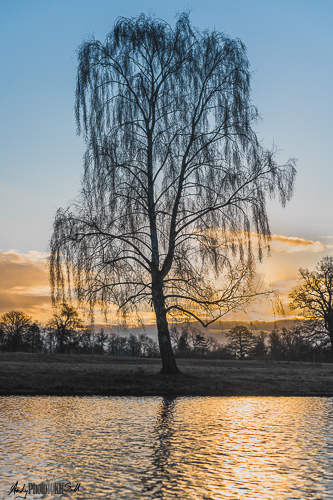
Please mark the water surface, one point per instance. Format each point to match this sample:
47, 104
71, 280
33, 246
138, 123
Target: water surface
186, 448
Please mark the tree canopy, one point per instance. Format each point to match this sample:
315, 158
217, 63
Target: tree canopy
241, 341
18, 331
314, 295
174, 177
67, 327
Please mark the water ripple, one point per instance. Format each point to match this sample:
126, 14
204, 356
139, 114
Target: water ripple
186, 448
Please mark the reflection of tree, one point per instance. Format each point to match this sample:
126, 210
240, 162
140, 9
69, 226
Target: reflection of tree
158, 477
164, 433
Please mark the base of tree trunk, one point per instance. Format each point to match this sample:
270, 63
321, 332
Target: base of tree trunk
170, 371
169, 365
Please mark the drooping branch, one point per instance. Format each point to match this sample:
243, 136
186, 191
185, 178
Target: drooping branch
174, 177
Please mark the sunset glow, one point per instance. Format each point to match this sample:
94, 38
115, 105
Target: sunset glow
42, 156
24, 280
166, 249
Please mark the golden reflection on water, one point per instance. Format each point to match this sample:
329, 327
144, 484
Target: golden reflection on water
186, 448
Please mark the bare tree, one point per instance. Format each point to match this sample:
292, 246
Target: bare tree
259, 346
241, 341
188, 340
174, 178
15, 326
102, 339
314, 296
67, 327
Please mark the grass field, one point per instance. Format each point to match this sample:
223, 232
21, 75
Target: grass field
56, 374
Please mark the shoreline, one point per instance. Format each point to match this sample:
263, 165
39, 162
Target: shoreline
25, 374
168, 395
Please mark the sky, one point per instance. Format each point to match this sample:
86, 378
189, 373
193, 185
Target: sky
289, 45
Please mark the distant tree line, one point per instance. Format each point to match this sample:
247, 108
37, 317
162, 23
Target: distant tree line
66, 333
304, 341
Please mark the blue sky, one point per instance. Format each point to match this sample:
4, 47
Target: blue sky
290, 46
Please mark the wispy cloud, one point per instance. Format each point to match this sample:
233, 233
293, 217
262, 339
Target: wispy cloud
289, 253
290, 244
24, 279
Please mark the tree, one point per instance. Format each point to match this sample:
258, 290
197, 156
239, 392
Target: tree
314, 295
32, 340
180, 338
102, 339
134, 343
148, 346
174, 178
259, 350
189, 341
275, 344
67, 327
298, 344
240, 341
15, 325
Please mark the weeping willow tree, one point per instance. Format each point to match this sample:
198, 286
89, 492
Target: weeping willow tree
174, 178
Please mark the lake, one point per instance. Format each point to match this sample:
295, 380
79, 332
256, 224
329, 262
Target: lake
158, 448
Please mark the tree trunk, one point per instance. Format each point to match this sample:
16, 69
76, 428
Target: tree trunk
328, 318
169, 366
330, 334
62, 346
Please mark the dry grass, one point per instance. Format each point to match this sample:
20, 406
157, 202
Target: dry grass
55, 374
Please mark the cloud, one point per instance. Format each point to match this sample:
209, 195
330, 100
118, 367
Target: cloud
24, 284
291, 244
24, 279
281, 268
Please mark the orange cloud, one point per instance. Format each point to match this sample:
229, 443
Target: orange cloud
24, 284
24, 280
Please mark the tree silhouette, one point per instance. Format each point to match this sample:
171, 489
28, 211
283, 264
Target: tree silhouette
241, 341
67, 327
314, 296
17, 329
174, 178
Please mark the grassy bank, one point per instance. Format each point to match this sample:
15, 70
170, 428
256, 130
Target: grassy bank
56, 374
